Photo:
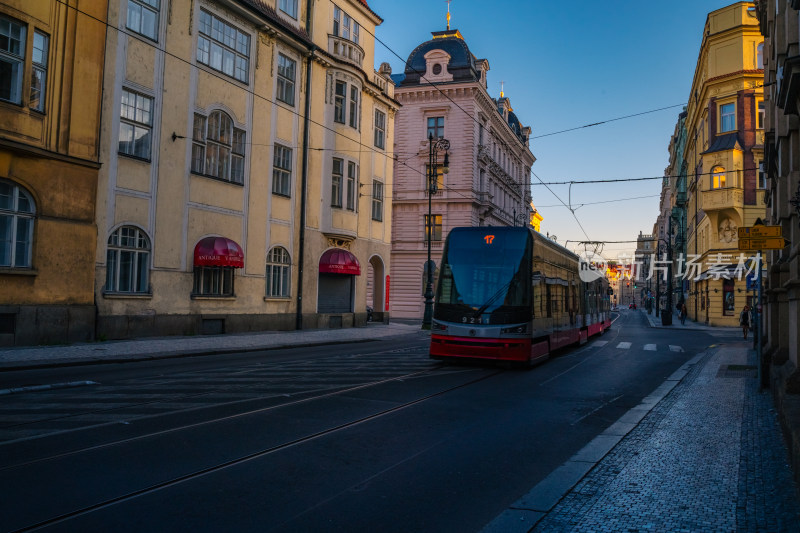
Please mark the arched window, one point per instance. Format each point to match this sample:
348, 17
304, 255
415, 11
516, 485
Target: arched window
16, 226
760, 56
278, 273
218, 147
717, 178
128, 261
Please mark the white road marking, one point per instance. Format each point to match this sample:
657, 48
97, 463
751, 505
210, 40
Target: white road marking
650, 347
675, 348
624, 345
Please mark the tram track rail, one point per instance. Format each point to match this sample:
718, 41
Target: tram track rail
177, 480
232, 388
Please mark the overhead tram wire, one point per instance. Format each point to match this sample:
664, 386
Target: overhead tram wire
299, 115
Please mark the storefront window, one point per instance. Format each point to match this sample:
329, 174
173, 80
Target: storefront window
729, 305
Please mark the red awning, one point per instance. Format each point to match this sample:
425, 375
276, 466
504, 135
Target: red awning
336, 261
218, 251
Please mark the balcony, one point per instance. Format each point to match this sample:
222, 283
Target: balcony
346, 50
725, 198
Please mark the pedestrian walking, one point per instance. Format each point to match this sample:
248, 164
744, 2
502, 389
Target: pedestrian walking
744, 320
682, 313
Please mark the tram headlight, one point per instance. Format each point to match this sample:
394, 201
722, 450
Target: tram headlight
438, 326
517, 329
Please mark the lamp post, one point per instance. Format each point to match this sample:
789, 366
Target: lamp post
434, 147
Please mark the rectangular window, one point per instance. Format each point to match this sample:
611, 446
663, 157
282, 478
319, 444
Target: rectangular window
223, 47
727, 118
337, 20
289, 7
39, 71
352, 175
762, 177
286, 77
237, 156
345, 27
436, 127
282, 171
354, 106
213, 281
12, 57
439, 183
143, 17
717, 178
380, 129
377, 200
135, 125
337, 177
338, 102
198, 143
760, 120
436, 229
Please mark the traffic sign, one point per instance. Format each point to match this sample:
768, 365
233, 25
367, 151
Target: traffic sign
766, 243
760, 231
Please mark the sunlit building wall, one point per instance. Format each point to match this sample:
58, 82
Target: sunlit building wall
723, 151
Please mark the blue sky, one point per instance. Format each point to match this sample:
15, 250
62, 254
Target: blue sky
564, 67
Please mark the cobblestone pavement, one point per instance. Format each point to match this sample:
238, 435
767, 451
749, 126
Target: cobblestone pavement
709, 457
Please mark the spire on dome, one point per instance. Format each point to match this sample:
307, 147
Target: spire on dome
448, 14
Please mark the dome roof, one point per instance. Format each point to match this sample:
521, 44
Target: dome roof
461, 65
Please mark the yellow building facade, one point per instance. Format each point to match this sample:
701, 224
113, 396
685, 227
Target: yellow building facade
52, 61
724, 148
246, 146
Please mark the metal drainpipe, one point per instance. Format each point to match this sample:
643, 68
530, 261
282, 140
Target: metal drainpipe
304, 178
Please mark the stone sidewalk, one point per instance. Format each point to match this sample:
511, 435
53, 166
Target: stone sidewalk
708, 456
18, 358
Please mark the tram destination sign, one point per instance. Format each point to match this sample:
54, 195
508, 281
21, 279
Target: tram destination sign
765, 243
759, 231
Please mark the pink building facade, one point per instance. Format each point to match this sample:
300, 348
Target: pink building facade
443, 91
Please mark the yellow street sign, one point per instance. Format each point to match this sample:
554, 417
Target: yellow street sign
767, 243
760, 231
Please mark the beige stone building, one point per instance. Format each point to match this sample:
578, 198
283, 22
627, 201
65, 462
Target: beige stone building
723, 151
444, 94
51, 60
244, 169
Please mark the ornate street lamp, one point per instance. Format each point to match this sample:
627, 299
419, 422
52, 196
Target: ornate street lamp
435, 146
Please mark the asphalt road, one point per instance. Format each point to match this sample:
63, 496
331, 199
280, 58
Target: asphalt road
361, 437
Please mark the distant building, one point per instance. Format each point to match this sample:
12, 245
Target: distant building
444, 93
723, 152
50, 91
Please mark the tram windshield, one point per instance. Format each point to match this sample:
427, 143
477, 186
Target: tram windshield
485, 276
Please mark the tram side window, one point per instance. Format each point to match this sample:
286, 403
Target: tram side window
549, 303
